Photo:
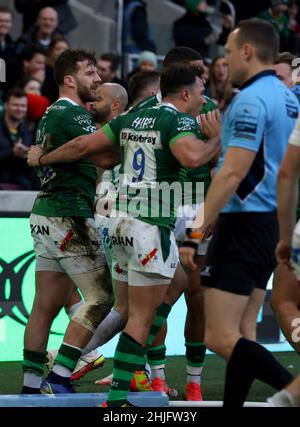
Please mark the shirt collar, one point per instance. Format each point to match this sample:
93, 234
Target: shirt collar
258, 76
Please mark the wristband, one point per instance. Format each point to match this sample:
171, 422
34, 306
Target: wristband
189, 244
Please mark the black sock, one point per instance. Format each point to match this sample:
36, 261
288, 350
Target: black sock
30, 390
250, 361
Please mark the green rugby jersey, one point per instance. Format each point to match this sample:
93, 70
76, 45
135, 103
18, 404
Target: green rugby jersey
145, 137
67, 189
201, 174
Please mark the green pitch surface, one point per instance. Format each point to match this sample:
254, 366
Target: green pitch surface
212, 383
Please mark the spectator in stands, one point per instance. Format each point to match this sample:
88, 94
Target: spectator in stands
249, 9
7, 48
220, 88
293, 14
15, 140
31, 85
276, 15
147, 61
142, 85
32, 62
136, 28
30, 9
193, 28
36, 102
108, 65
58, 45
41, 34
228, 21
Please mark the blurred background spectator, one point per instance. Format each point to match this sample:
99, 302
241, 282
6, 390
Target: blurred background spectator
136, 37
193, 29
7, 49
32, 63
220, 89
276, 14
30, 9
15, 140
146, 61
42, 32
108, 66
57, 45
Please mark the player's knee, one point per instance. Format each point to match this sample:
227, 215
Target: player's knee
46, 310
216, 342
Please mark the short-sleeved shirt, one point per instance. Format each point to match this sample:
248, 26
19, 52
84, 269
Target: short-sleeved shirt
68, 189
296, 90
295, 140
147, 163
260, 119
193, 175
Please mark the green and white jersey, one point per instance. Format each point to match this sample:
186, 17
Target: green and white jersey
68, 189
150, 186
201, 174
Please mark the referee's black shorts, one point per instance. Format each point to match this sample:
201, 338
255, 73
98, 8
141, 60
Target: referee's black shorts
241, 255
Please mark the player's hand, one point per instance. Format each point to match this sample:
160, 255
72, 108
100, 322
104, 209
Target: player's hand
187, 257
283, 253
211, 124
33, 156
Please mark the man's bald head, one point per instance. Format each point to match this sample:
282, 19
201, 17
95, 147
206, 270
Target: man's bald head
47, 20
111, 101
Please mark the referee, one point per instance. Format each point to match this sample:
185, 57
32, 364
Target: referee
241, 257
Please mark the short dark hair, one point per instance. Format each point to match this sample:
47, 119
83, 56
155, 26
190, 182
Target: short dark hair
140, 81
30, 51
175, 77
67, 62
16, 92
4, 9
285, 58
262, 35
181, 55
113, 59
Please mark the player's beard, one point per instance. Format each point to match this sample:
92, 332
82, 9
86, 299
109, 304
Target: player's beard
86, 94
101, 116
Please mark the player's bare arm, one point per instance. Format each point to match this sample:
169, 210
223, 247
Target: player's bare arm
192, 152
287, 196
87, 146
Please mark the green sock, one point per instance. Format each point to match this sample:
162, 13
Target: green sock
156, 355
68, 357
34, 362
129, 357
195, 355
162, 314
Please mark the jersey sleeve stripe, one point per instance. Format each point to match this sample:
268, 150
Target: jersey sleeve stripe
179, 136
109, 133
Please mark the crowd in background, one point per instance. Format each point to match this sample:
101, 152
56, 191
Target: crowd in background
30, 86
